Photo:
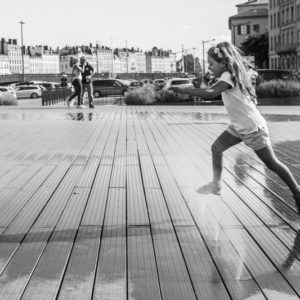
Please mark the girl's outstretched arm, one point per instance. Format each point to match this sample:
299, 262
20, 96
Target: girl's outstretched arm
208, 93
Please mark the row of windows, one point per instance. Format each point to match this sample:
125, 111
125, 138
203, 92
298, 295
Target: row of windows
286, 37
286, 16
246, 29
273, 3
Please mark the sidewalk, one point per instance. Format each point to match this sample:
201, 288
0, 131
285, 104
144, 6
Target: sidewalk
108, 203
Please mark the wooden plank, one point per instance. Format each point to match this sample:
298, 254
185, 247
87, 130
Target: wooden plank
115, 213
18, 271
10, 208
79, 276
111, 278
178, 210
150, 178
95, 209
143, 280
89, 173
12, 175
204, 275
174, 278
173, 275
109, 150
157, 208
118, 177
46, 278
260, 266
136, 203
52, 212
232, 269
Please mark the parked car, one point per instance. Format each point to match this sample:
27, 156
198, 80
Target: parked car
109, 87
28, 91
8, 94
135, 84
270, 74
179, 82
49, 85
24, 83
147, 81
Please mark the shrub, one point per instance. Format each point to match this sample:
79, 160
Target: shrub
164, 96
278, 88
150, 95
143, 95
8, 102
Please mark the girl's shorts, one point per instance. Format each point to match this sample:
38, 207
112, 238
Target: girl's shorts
256, 140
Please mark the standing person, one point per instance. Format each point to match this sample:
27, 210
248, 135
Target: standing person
76, 82
247, 124
88, 72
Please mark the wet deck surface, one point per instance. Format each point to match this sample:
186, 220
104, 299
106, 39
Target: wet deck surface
109, 204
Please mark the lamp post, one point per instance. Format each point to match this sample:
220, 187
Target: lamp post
203, 43
127, 67
97, 48
112, 56
183, 66
22, 50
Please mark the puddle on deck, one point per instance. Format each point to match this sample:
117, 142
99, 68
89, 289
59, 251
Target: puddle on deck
174, 118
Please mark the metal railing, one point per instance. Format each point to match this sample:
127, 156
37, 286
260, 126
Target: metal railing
58, 95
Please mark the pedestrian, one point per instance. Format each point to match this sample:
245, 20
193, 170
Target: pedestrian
77, 84
88, 72
247, 124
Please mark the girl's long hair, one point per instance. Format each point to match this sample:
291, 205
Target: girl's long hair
232, 58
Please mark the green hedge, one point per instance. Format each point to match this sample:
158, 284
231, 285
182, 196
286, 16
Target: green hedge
278, 88
149, 95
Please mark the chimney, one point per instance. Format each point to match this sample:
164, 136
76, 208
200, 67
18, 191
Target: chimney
14, 41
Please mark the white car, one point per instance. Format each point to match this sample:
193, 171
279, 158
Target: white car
28, 91
179, 82
7, 94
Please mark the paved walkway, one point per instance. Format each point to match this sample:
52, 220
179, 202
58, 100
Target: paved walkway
109, 204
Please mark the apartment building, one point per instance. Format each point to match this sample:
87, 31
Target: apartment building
284, 34
4, 65
140, 62
160, 61
251, 17
43, 60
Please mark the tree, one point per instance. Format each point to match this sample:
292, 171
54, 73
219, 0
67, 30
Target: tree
257, 45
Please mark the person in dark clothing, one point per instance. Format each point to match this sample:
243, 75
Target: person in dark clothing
88, 72
76, 82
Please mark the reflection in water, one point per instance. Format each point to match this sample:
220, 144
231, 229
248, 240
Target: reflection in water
80, 116
294, 254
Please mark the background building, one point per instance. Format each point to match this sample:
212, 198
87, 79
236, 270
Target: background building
4, 65
284, 34
252, 16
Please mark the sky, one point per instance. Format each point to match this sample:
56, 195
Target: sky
166, 24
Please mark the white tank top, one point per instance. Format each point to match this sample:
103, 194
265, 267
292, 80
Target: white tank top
76, 73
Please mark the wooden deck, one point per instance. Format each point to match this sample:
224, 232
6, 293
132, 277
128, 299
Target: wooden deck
110, 204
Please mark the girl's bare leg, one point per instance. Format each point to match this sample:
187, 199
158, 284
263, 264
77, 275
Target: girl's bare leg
268, 156
221, 144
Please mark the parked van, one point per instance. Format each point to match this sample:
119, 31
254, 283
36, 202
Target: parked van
109, 87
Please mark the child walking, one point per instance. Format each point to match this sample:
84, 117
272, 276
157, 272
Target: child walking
247, 124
